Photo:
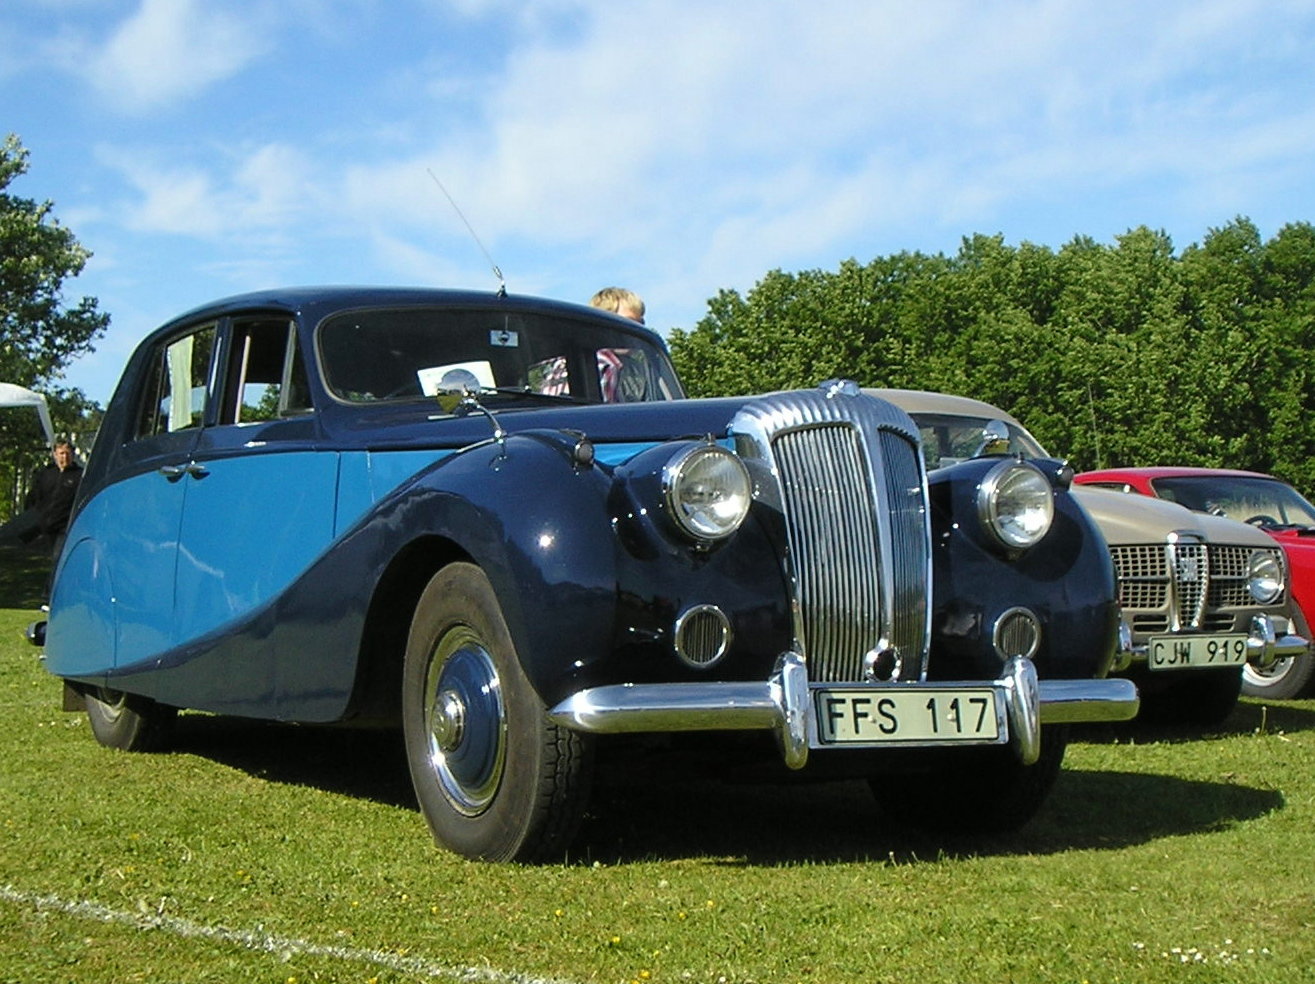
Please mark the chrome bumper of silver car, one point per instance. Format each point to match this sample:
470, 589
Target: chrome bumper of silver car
783, 704
1267, 643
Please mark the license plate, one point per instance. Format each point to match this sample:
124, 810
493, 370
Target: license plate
1184, 652
893, 716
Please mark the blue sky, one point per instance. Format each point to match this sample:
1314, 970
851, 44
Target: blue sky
202, 148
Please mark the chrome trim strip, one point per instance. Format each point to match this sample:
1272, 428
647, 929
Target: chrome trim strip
1188, 558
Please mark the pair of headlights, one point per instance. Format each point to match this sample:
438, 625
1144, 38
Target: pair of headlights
708, 492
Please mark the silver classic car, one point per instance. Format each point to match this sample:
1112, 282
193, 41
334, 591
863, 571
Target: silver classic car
1201, 596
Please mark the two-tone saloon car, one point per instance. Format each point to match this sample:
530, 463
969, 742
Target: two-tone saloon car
1202, 596
495, 522
1259, 500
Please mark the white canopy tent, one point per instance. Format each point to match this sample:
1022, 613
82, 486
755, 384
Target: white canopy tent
16, 396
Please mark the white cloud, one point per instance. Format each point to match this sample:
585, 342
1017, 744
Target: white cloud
169, 50
703, 144
245, 192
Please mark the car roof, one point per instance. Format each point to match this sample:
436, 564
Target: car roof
1168, 471
315, 302
925, 401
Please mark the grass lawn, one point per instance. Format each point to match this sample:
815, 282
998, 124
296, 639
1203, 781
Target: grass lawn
279, 854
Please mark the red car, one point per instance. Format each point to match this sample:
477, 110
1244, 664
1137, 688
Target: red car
1263, 501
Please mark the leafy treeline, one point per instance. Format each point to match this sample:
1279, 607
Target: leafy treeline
1111, 355
40, 334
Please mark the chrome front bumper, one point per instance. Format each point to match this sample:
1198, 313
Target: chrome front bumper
1266, 644
783, 704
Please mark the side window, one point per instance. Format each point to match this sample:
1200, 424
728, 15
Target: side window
175, 394
266, 377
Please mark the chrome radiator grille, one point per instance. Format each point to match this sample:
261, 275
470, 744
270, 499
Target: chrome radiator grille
833, 533
848, 474
1187, 584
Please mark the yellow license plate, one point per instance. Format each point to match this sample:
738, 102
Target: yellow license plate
1186, 652
897, 715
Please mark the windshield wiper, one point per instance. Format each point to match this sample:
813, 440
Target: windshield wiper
525, 391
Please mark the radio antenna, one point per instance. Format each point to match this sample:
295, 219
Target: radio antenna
502, 283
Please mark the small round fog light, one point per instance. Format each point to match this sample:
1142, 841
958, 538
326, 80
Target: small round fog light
702, 635
1017, 633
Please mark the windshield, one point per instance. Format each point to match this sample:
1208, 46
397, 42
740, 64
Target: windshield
403, 354
1262, 501
948, 439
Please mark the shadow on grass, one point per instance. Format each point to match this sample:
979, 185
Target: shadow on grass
1251, 716
23, 573
825, 822
659, 806
362, 763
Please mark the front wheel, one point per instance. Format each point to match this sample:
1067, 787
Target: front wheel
495, 779
975, 790
128, 721
1287, 679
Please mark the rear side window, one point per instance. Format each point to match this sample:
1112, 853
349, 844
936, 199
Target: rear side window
265, 376
174, 398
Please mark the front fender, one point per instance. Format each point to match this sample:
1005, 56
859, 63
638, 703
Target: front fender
1067, 580
536, 520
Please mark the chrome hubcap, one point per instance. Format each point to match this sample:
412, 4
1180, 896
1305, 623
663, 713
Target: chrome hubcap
465, 721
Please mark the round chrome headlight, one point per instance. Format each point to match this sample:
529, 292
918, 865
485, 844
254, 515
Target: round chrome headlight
1265, 577
708, 491
1016, 503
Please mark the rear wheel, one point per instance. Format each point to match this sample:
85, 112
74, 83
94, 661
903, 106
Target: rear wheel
128, 721
1287, 679
496, 780
977, 790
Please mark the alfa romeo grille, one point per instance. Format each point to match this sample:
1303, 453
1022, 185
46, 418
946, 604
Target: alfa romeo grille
851, 489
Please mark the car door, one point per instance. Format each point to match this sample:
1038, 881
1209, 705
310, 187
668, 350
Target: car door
259, 506
142, 513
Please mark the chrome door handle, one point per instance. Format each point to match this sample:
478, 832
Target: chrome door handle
193, 468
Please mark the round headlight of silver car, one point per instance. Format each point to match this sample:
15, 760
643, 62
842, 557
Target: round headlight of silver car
1265, 577
708, 491
1016, 503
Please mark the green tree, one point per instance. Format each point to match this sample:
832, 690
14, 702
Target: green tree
39, 334
1119, 354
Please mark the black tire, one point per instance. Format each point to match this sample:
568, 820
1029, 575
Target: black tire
1288, 679
1197, 698
976, 790
496, 780
128, 721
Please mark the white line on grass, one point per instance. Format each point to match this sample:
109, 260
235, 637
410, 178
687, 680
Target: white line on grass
261, 941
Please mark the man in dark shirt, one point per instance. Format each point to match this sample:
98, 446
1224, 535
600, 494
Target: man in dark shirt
53, 489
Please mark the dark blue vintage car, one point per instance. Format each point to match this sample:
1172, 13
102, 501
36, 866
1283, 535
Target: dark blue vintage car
496, 522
